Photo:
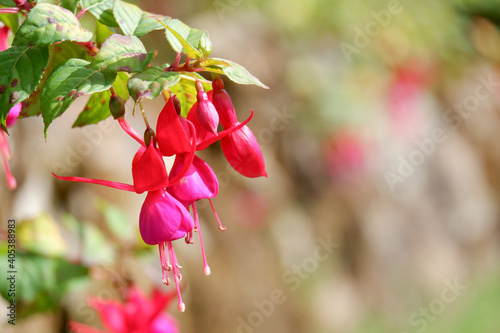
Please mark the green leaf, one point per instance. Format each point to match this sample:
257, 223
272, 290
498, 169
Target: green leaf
149, 22
186, 91
47, 24
177, 34
120, 85
42, 235
21, 69
70, 5
58, 53
97, 108
122, 53
41, 282
70, 80
214, 62
151, 82
102, 32
127, 16
117, 221
101, 10
199, 39
237, 73
10, 20
7, 3
96, 247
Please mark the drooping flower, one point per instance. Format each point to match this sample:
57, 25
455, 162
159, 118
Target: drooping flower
138, 314
162, 220
165, 213
199, 182
241, 148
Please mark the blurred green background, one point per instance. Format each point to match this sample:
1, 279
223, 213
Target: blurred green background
379, 133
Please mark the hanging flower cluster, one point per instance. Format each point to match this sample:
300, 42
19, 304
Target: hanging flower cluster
165, 215
137, 314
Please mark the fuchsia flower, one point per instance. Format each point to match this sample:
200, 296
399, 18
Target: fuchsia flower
164, 214
137, 314
10, 121
241, 148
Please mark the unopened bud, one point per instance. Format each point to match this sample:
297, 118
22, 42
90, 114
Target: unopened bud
205, 110
117, 106
149, 134
177, 105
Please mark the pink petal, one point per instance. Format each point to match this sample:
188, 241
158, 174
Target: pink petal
163, 218
199, 182
13, 115
4, 32
81, 328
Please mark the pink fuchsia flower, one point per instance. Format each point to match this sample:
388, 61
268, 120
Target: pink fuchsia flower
162, 220
241, 148
199, 182
345, 154
137, 314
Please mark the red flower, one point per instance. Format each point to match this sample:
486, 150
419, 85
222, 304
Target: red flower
164, 214
137, 314
241, 148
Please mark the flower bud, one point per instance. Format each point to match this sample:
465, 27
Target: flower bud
223, 104
205, 110
116, 106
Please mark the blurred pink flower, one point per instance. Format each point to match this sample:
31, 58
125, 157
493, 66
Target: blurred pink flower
405, 93
345, 156
137, 314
